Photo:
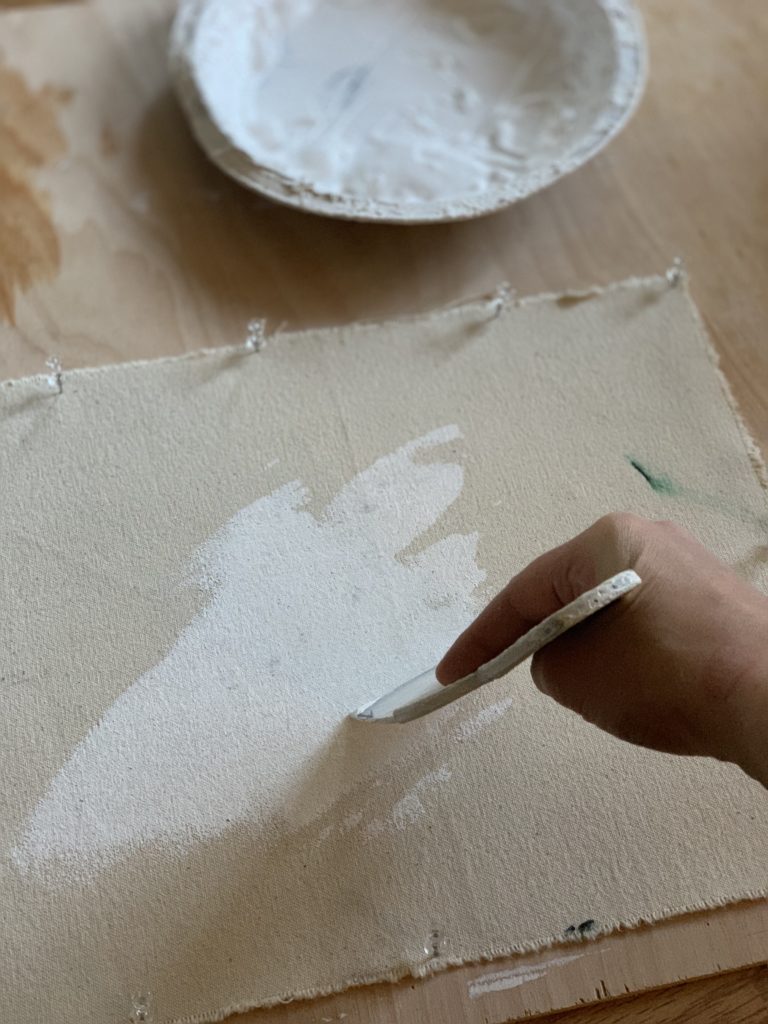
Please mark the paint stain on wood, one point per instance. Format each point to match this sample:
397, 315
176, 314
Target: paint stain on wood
30, 138
32, 3
108, 144
574, 299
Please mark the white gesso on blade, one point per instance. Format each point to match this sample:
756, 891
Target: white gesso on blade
307, 617
405, 110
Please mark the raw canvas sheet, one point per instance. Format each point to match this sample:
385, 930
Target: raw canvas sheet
207, 561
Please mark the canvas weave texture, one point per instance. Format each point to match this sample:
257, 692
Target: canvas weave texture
207, 562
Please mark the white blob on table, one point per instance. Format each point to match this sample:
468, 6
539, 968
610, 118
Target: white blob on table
308, 616
405, 109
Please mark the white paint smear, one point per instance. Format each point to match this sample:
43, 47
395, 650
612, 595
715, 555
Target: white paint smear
409, 808
308, 616
499, 981
486, 716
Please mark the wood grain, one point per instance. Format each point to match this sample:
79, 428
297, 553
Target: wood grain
514, 988
740, 998
118, 240
197, 256
30, 138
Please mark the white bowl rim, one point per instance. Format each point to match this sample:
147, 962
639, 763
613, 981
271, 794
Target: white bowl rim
629, 80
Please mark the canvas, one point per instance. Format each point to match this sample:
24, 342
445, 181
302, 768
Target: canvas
209, 561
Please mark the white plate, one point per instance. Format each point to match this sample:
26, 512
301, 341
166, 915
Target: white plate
405, 110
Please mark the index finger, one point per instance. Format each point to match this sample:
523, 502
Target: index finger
544, 586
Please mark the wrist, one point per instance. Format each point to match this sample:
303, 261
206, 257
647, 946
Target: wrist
735, 724
750, 724
752, 745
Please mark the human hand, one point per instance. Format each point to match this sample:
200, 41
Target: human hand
678, 665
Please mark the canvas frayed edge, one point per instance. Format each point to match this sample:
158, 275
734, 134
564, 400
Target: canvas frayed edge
753, 450
422, 971
480, 303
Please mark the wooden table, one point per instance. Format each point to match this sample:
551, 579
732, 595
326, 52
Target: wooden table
118, 241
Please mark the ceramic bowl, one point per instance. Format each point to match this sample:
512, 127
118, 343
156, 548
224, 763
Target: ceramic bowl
405, 110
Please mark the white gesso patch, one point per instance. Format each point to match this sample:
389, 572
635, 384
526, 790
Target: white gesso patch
409, 808
498, 981
486, 716
308, 617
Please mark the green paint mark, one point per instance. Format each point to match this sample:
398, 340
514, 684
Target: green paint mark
666, 486
658, 483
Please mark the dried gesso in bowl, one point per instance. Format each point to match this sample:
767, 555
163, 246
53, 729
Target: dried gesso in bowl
409, 111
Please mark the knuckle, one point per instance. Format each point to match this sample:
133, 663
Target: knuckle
622, 531
623, 523
670, 527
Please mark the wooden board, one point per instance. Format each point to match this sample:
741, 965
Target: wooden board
119, 241
579, 972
